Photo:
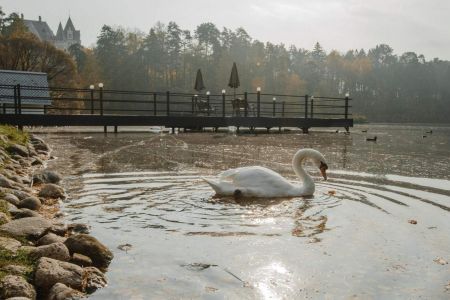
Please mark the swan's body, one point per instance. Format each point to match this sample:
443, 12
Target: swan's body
262, 182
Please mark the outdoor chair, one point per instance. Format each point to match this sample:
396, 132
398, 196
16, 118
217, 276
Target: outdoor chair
241, 107
205, 108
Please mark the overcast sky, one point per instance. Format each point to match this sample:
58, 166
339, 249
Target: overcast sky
406, 25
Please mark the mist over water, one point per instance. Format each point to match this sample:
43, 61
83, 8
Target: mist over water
353, 238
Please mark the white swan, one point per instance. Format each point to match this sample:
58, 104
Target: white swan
262, 182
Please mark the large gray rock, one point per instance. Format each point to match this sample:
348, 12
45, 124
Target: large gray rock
9, 244
94, 279
21, 194
50, 271
31, 228
11, 199
39, 144
46, 176
5, 182
32, 203
16, 286
57, 251
50, 190
88, 245
18, 150
61, 291
50, 238
25, 213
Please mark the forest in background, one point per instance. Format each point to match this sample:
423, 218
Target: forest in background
386, 87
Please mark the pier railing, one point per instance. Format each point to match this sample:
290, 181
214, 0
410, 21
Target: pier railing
17, 99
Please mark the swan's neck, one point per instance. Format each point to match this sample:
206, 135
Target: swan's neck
297, 165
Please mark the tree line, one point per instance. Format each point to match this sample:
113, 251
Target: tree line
385, 87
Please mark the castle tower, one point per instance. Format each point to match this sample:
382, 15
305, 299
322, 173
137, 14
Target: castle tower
68, 36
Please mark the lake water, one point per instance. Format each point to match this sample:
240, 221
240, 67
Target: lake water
352, 240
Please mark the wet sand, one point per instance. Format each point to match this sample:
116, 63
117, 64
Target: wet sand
353, 239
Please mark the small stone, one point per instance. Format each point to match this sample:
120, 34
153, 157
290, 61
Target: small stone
16, 269
31, 228
50, 238
37, 162
59, 229
11, 199
50, 190
46, 176
4, 218
32, 203
81, 260
9, 244
50, 271
94, 279
88, 245
440, 261
21, 194
57, 251
79, 228
16, 286
60, 291
414, 222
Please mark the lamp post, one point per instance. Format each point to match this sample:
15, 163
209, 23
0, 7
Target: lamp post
223, 103
347, 95
92, 87
207, 101
258, 101
100, 85
274, 100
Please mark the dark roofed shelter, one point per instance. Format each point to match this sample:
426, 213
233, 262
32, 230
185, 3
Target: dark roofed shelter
33, 99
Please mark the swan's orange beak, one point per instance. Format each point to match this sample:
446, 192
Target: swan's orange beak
323, 169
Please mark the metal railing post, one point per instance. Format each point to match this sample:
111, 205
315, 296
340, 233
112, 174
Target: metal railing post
19, 100
246, 104
92, 101
306, 106
192, 105
312, 107
282, 109
45, 109
207, 103
346, 107
223, 104
154, 104
101, 100
15, 100
274, 107
168, 103
258, 104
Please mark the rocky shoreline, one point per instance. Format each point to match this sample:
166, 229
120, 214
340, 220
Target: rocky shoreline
41, 257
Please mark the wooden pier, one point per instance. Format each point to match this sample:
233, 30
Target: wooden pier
89, 107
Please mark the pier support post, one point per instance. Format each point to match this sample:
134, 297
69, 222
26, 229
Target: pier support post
105, 129
115, 129
305, 130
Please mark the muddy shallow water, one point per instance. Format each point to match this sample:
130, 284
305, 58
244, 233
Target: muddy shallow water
353, 239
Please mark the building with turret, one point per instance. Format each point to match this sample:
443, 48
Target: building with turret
64, 38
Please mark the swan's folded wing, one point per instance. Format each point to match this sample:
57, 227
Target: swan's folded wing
255, 177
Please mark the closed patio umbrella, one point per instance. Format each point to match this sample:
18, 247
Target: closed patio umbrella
199, 85
234, 79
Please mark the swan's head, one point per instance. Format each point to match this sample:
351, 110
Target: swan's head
317, 158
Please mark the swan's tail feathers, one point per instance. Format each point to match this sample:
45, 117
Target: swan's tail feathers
221, 188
